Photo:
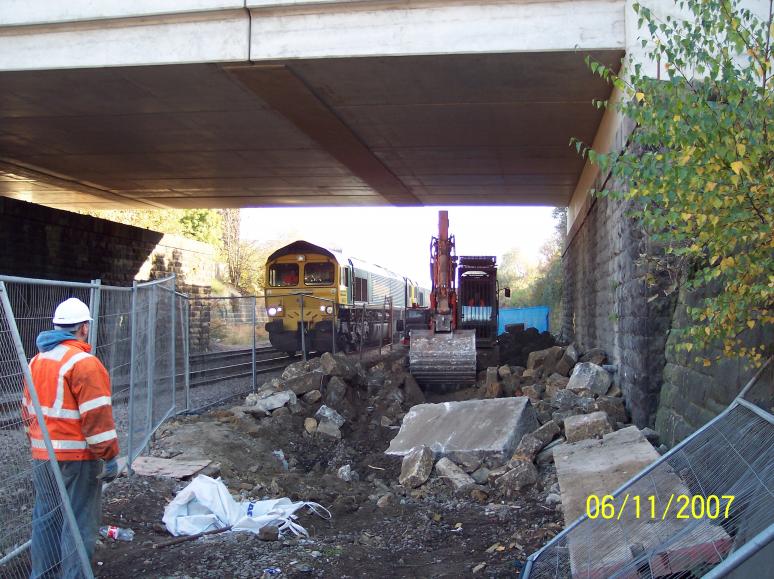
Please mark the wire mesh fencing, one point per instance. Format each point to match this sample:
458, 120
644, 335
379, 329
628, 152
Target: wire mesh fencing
152, 369
702, 509
38, 533
222, 349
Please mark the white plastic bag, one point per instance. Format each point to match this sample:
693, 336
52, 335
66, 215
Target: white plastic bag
206, 504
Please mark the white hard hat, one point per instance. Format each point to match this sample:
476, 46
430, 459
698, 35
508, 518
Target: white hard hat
70, 312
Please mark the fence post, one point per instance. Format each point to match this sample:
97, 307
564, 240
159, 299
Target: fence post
174, 343
255, 322
151, 344
132, 364
303, 341
333, 327
362, 332
381, 325
64, 497
94, 307
392, 324
187, 354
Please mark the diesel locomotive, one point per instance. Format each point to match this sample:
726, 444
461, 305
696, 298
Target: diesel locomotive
332, 297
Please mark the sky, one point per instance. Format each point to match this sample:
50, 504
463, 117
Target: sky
398, 238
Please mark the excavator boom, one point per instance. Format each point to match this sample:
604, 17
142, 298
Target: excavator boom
442, 357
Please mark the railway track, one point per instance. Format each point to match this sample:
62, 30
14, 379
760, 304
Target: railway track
216, 366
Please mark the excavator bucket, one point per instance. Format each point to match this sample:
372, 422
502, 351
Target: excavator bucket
443, 362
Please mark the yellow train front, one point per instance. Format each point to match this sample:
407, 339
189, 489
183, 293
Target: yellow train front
334, 297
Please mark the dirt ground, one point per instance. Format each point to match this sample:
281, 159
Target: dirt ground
427, 532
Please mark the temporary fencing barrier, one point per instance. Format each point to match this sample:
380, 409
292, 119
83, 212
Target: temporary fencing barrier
726, 472
222, 341
28, 485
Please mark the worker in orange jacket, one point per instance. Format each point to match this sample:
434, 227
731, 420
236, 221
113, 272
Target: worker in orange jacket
73, 388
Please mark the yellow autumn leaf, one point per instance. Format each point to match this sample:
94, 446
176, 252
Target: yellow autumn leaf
711, 186
686, 216
707, 362
639, 96
689, 346
751, 324
740, 149
737, 167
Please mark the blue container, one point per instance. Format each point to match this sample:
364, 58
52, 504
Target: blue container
534, 317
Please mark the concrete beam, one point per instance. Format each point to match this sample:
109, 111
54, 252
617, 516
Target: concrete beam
287, 94
219, 36
289, 29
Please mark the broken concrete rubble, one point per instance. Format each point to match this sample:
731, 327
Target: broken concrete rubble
416, 467
326, 414
595, 355
482, 428
453, 475
583, 426
522, 475
532, 443
329, 429
337, 365
588, 376
568, 361
554, 383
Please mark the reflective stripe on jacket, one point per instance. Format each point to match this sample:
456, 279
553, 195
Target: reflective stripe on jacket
74, 391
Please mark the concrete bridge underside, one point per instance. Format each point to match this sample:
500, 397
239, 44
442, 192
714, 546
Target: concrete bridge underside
293, 103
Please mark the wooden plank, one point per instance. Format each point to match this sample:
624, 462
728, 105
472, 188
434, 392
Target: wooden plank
178, 468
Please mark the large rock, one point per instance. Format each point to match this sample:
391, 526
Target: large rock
336, 392
583, 426
482, 428
412, 393
554, 383
337, 365
329, 428
599, 467
278, 400
589, 376
453, 475
493, 387
300, 368
531, 444
522, 475
595, 356
546, 359
416, 468
613, 407
326, 414
568, 361
304, 383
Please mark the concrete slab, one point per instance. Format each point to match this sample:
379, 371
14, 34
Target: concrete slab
483, 428
599, 467
178, 468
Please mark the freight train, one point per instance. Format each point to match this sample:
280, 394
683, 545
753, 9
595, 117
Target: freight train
324, 292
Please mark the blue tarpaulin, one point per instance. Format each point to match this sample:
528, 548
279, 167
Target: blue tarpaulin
534, 317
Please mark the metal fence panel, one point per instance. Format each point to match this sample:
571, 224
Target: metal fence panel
731, 456
152, 368
57, 544
222, 344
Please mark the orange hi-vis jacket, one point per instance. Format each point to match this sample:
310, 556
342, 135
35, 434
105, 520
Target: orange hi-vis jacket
74, 391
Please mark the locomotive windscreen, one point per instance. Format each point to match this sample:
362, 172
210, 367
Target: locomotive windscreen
318, 273
283, 275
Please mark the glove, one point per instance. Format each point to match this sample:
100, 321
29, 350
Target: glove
109, 471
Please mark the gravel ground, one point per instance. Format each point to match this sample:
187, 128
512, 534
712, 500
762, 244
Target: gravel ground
377, 527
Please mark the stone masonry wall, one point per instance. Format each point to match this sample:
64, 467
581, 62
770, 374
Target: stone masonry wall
693, 394
41, 242
607, 303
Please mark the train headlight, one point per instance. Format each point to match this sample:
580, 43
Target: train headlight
272, 311
322, 308
329, 310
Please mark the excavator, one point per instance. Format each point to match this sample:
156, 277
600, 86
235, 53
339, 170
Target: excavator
443, 356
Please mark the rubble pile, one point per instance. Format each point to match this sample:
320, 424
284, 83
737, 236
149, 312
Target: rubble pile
516, 343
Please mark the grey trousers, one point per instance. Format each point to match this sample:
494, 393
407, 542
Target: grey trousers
52, 550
